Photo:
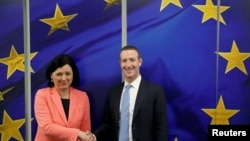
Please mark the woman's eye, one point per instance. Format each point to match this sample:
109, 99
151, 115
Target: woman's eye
58, 74
68, 74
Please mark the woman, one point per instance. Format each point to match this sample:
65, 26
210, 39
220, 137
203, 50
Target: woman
62, 111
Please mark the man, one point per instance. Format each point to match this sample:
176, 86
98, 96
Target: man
147, 110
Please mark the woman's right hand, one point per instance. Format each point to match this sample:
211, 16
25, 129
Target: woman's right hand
83, 136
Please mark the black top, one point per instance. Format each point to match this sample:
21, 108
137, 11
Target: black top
65, 103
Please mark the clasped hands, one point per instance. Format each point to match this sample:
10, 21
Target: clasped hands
86, 136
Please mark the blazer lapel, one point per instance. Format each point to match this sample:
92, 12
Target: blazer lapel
58, 104
72, 105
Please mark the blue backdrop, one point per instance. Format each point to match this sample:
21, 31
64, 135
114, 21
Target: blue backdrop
202, 62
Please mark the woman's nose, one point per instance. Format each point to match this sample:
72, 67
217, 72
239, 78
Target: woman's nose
64, 77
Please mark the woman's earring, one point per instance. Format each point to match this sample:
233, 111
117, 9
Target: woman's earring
51, 80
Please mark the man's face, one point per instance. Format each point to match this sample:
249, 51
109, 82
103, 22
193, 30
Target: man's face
130, 64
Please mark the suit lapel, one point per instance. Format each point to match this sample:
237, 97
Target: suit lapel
117, 99
142, 92
58, 104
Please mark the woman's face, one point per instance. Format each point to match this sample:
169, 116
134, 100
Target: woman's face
62, 77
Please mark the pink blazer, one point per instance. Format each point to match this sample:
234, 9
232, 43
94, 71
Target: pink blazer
50, 116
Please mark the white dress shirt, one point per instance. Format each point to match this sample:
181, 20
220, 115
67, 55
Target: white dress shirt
133, 94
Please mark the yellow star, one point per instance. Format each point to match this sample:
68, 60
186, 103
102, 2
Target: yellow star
111, 3
165, 3
220, 115
210, 11
15, 61
235, 59
4, 92
59, 21
10, 128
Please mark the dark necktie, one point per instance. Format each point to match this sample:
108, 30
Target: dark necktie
124, 115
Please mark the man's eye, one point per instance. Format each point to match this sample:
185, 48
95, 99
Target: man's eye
132, 60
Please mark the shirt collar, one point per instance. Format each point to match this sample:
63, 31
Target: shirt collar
135, 83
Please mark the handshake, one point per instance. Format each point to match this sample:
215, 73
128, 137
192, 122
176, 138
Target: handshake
86, 136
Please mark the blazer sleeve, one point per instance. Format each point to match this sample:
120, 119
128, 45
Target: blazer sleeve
160, 114
103, 130
86, 122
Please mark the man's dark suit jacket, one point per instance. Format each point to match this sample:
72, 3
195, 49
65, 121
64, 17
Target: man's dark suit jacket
149, 118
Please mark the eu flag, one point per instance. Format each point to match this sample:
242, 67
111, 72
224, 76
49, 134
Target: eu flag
82, 29
199, 51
